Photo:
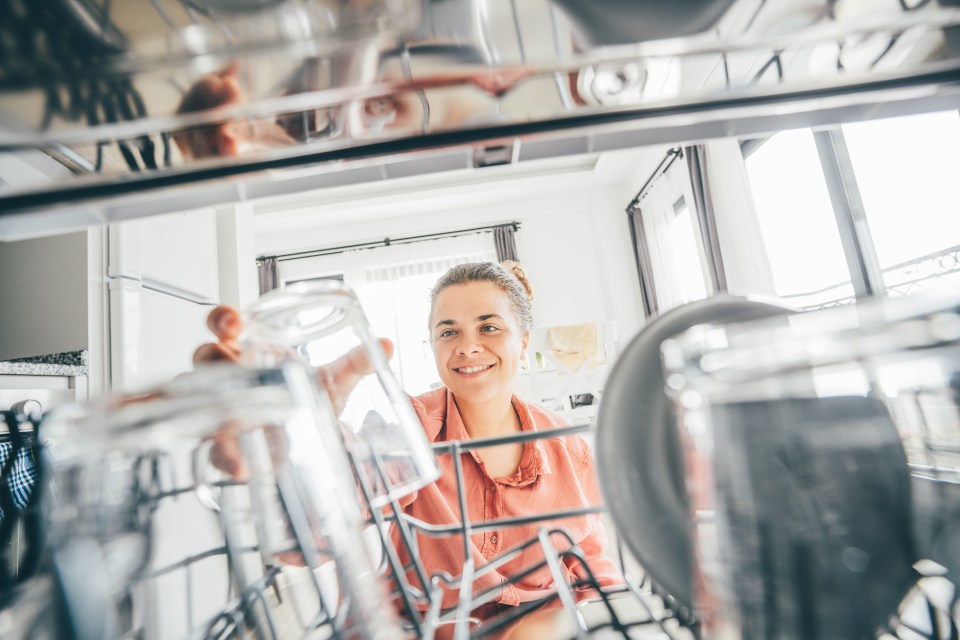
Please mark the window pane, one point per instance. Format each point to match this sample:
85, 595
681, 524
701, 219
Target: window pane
907, 171
797, 221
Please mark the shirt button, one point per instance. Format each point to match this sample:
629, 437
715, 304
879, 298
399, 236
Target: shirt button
493, 539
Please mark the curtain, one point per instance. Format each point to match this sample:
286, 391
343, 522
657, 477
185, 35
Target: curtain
505, 242
638, 238
703, 206
673, 239
746, 264
269, 274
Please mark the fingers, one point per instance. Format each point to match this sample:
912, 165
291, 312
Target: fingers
341, 376
226, 324
226, 455
214, 352
387, 347
213, 90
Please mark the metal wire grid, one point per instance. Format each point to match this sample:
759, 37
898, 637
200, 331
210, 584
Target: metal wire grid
260, 603
263, 600
420, 599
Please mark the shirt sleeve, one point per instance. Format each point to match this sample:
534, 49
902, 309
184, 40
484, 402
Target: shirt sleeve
594, 544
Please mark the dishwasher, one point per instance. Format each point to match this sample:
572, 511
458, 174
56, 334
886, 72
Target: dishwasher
765, 473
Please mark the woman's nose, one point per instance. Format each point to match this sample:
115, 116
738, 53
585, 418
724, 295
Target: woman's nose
469, 346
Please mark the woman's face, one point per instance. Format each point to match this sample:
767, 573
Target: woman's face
477, 341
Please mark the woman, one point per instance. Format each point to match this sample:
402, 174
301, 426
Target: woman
480, 322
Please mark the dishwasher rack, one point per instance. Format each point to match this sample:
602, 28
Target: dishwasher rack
268, 601
421, 598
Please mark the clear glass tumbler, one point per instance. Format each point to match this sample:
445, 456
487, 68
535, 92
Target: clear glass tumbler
320, 323
821, 462
218, 505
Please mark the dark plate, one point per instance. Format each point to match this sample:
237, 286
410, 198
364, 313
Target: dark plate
638, 456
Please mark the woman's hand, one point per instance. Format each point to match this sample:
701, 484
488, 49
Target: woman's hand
339, 378
229, 138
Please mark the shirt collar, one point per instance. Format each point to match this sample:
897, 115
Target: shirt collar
533, 460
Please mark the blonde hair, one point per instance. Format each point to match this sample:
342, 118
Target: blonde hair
509, 276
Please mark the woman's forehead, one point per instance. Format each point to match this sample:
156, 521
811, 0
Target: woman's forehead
471, 299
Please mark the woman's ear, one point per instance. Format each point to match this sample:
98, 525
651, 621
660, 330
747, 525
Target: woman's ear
525, 340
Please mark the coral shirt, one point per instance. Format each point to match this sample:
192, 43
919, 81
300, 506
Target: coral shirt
554, 474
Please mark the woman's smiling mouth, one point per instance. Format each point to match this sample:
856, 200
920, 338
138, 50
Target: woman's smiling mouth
472, 369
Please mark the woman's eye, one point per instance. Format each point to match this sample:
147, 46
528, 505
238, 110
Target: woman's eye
488, 328
447, 333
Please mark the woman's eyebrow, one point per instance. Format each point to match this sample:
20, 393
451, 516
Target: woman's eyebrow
481, 318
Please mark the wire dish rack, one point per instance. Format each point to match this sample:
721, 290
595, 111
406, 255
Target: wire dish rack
215, 583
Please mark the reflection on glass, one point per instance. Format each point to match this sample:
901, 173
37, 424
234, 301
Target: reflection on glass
906, 170
218, 505
797, 220
322, 322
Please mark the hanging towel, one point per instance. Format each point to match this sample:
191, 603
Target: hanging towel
573, 345
23, 475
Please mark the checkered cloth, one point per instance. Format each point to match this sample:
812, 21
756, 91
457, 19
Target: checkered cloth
23, 474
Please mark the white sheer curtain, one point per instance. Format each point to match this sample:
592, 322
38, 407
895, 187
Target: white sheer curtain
745, 258
673, 238
394, 289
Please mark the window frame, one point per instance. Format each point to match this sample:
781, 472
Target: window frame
860, 253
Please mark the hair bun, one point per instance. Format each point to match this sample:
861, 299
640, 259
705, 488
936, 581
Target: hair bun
520, 274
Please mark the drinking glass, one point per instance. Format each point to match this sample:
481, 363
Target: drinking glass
219, 503
821, 462
322, 322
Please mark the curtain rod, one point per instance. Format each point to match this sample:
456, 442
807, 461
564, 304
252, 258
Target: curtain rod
386, 242
672, 155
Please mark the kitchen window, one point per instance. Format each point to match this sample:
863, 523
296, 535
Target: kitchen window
906, 170
868, 208
797, 222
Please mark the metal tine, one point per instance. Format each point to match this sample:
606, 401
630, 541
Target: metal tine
468, 601
564, 592
396, 567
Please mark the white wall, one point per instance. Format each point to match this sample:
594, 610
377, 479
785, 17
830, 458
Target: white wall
573, 241
43, 296
237, 259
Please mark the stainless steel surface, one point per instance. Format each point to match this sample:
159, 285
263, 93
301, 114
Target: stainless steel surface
317, 83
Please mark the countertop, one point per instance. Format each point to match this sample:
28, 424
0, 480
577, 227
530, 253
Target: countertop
69, 363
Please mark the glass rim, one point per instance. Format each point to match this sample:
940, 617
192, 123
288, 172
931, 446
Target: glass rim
270, 316
184, 407
734, 353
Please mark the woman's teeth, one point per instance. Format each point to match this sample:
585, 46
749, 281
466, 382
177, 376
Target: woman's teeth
473, 369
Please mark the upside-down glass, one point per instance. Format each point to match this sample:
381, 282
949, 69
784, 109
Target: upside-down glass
151, 538
821, 460
318, 323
